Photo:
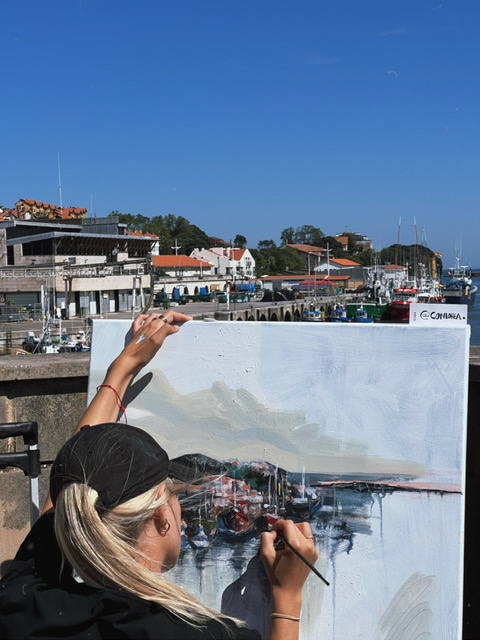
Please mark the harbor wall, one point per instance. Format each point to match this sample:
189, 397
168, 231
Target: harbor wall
52, 389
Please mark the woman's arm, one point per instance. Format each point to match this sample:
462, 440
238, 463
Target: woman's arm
149, 333
287, 574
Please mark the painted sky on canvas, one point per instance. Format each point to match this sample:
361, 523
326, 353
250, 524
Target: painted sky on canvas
249, 117
311, 395
359, 401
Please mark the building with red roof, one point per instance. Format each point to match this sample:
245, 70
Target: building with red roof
344, 262
26, 209
311, 255
308, 248
228, 261
181, 266
360, 241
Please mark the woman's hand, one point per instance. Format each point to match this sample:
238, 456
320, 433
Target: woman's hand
149, 332
286, 572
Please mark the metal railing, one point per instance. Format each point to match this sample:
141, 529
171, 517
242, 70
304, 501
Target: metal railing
19, 313
75, 270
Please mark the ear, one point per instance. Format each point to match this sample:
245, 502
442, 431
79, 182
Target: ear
160, 520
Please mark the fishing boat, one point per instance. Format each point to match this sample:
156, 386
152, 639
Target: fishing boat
184, 545
426, 291
459, 287
361, 315
338, 314
315, 315
234, 525
375, 310
399, 307
200, 539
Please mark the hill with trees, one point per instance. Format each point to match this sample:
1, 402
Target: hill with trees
272, 259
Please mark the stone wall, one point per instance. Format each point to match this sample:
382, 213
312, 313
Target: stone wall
51, 389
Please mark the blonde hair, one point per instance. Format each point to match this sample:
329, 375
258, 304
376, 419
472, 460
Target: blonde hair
102, 549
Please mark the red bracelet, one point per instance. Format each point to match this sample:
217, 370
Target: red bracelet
120, 405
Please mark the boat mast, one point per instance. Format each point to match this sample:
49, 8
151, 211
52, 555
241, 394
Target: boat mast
59, 180
397, 248
415, 253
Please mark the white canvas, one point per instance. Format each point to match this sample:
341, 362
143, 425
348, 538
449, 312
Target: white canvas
368, 422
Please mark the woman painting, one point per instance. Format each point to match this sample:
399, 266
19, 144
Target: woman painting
95, 564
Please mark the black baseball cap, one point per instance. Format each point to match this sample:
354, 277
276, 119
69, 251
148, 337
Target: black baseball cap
119, 461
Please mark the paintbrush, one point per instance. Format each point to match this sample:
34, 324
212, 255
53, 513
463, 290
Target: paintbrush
262, 524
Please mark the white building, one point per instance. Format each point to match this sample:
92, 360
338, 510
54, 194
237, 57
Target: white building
177, 275
238, 263
337, 263
178, 266
86, 267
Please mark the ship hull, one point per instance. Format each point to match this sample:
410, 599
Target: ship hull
460, 297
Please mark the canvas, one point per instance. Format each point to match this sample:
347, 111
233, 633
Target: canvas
358, 429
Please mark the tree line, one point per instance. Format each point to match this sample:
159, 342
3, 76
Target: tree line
271, 258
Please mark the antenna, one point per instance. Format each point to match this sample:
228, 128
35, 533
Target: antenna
59, 180
176, 247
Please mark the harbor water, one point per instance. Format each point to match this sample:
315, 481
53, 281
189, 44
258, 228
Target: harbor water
359, 555
474, 317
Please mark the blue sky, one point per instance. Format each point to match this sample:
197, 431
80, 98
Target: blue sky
247, 117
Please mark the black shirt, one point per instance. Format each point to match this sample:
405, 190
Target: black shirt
39, 600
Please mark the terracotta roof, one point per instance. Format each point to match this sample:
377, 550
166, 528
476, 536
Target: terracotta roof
37, 203
307, 248
179, 261
394, 266
284, 277
228, 252
303, 277
342, 239
65, 212
236, 254
344, 262
140, 233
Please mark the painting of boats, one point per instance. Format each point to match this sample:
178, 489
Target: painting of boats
360, 432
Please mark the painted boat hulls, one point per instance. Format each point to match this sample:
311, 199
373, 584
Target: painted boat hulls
233, 525
200, 539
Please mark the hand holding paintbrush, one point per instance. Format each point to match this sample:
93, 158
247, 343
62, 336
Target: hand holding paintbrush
300, 541
288, 553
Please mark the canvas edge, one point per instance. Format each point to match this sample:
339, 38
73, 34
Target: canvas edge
461, 573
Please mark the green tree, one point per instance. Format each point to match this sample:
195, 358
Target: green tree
191, 237
308, 234
336, 248
217, 242
157, 226
266, 244
366, 257
134, 222
288, 236
276, 260
240, 241
175, 224
410, 255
